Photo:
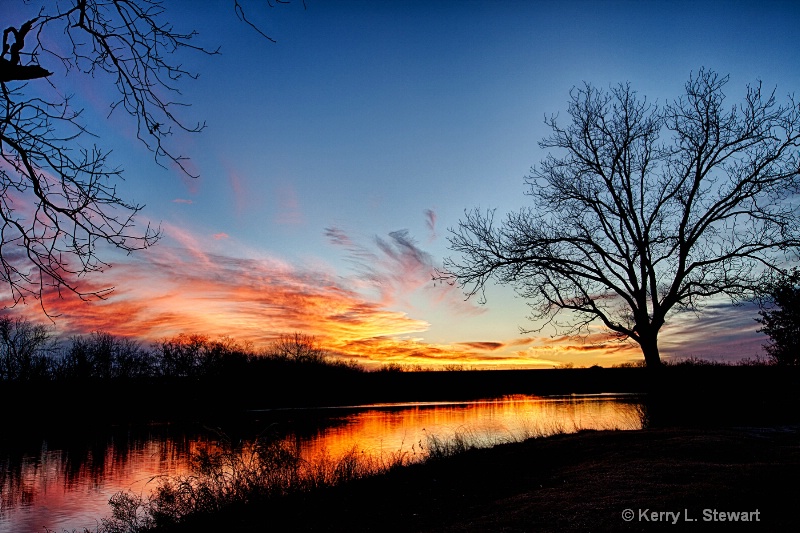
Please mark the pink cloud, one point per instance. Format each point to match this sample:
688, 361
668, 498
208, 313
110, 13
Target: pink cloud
243, 196
721, 331
396, 267
171, 290
182, 287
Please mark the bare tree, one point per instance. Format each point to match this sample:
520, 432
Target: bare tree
644, 210
24, 349
297, 348
58, 196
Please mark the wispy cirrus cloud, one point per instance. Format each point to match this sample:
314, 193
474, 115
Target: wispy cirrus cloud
488, 346
719, 331
394, 266
430, 223
192, 283
397, 267
237, 187
181, 286
175, 290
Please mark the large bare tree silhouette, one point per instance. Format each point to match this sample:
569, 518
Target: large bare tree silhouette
644, 210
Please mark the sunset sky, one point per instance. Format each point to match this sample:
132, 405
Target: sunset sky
335, 160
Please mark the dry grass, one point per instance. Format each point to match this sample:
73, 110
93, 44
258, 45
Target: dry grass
227, 476
224, 475
567, 483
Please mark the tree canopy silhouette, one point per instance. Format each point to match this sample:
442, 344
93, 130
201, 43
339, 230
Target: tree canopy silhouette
58, 196
780, 318
642, 210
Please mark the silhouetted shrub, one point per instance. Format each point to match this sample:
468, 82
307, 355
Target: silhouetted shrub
780, 319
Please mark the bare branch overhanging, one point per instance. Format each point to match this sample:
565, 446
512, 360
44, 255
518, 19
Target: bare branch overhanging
58, 197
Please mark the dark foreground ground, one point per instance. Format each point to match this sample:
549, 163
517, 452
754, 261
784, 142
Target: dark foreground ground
568, 483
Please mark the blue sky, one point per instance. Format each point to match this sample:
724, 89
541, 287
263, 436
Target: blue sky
335, 160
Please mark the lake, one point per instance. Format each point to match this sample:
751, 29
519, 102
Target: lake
64, 483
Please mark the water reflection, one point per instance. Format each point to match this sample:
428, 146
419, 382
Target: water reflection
399, 427
65, 484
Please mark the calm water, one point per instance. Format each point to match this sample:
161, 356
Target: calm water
65, 485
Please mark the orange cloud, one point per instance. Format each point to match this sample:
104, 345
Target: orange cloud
169, 290
185, 288
595, 348
488, 346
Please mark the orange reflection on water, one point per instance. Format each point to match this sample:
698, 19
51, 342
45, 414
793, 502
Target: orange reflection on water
60, 493
411, 428
67, 488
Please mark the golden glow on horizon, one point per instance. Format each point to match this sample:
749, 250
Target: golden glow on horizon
171, 290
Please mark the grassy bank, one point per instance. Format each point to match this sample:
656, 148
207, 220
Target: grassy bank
231, 473
567, 482
576, 482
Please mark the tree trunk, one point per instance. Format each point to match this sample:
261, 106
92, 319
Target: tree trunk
649, 345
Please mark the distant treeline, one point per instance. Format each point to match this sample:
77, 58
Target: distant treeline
29, 352
100, 378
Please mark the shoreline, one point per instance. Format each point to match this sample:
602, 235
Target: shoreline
570, 482
698, 390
